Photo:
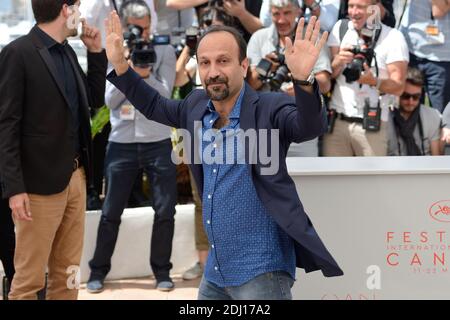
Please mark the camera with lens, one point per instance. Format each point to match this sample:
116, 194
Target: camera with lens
277, 78
179, 38
191, 39
363, 53
142, 52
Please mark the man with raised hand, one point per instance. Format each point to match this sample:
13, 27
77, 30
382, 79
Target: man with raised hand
256, 225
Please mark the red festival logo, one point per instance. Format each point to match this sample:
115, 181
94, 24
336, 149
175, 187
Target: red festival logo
440, 211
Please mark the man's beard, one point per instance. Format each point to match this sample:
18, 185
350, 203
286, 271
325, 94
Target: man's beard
219, 93
73, 32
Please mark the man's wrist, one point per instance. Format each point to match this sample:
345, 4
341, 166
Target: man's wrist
121, 68
95, 50
303, 81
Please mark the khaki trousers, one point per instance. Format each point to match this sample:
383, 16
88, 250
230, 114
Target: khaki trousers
53, 240
350, 139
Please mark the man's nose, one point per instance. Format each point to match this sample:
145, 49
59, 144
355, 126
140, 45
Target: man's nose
282, 19
213, 71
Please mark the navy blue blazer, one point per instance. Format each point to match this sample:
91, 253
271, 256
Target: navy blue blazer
298, 120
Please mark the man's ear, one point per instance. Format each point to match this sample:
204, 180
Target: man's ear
245, 64
65, 12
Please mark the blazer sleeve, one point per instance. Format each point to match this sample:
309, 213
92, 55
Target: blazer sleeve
303, 121
96, 78
12, 82
147, 100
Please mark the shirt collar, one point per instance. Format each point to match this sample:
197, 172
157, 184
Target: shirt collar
48, 41
236, 111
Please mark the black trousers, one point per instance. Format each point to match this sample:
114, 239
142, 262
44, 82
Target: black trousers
7, 238
123, 163
99, 146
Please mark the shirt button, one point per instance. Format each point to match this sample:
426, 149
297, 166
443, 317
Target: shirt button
211, 121
212, 246
216, 268
215, 145
214, 170
209, 196
208, 222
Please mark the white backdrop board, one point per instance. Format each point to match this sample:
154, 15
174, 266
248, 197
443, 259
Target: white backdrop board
385, 220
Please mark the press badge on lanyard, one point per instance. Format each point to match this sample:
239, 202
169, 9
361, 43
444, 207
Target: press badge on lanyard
434, 35
127, 112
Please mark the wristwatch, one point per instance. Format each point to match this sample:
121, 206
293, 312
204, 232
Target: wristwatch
314, 6
308, 82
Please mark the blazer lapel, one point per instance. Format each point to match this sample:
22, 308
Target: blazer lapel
248, 119
194, 123
48, 60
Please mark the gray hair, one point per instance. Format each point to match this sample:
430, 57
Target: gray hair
137, 9
283, 3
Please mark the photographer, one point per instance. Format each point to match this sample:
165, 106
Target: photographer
265, 50
246, 12
386, 11
186, 67
370, 65
427, 32
326, 10
414, 129
136, 143
96, 11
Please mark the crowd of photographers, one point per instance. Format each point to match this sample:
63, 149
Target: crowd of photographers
362, 73
384, 78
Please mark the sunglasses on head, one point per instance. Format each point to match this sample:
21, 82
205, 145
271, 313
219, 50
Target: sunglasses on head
407, 96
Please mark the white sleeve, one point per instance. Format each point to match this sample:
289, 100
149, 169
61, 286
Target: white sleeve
398, 42
254, 50
334, 38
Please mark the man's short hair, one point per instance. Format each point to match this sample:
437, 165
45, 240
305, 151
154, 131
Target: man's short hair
242, 44
48, 10
283, 3
137, 9
415, 77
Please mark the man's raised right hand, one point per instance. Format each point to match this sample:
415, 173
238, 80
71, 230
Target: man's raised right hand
115, 50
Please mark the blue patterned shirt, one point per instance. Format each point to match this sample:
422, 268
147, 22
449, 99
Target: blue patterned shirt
244, 239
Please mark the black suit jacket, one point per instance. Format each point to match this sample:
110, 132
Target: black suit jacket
36, 141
